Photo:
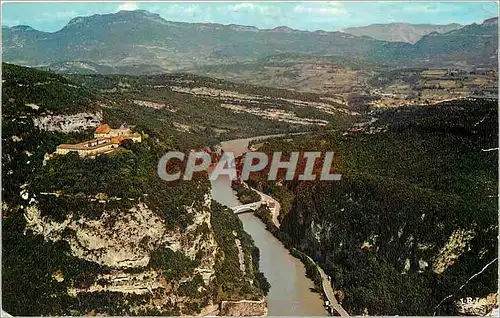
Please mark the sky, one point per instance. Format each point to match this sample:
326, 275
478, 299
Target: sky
328, 16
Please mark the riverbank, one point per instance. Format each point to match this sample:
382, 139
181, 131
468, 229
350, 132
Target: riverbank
313, 270
275, 210
268, 214
291, 292
283, 269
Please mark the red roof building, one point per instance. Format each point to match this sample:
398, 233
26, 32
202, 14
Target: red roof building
103, 129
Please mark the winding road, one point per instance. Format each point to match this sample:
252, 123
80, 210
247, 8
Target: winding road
239, 147
328, 290
277, 206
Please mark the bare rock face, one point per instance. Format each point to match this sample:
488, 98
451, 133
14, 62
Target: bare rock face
116, 239
126, 283
124, 239
275, 114
154, 105
450, 253
199, 240
68, 123
477, 306
244, 308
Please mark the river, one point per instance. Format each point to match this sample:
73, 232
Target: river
290, 293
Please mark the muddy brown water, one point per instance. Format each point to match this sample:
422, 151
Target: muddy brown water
291, 291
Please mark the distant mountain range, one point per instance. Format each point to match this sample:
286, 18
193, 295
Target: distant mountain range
144, 41
401, 32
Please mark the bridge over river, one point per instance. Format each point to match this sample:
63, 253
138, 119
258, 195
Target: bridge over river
272, 204
326, 284
250, 207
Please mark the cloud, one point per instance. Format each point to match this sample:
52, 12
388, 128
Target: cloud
55, 16
191, 10
251, 7
421, 9
245, 6
174, 11
128, 6
332, 10
11, 23
430, 8
335, 3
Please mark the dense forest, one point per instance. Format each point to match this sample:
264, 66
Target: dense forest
204, 122
230, 282
414, 215
69, 188
412, 219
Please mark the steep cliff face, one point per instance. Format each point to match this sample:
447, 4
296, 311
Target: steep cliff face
416, 255
139, 265
105, 235
114, 240
411, 229
125, 239
122, 241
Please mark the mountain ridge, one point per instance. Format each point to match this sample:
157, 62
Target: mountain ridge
142, 37
400, 31
157, 17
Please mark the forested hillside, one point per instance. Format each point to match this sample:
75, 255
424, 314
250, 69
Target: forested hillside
198, 111
143, 42
105, 235
414, 216
91, 108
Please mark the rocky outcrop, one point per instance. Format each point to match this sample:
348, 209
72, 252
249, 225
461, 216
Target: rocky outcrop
450, 253
126, 283
243, 308
477, 306
236, 97
199, 240
68, 123
241, 254
116, 239
122, 240
154, 105
275, 114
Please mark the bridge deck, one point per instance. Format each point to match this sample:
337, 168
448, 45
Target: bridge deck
247, 207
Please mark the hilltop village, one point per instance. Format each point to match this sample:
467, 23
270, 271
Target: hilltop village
106, 139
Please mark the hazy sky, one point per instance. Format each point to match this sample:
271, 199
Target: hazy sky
332, 15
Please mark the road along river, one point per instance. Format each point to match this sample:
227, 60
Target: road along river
290, 293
